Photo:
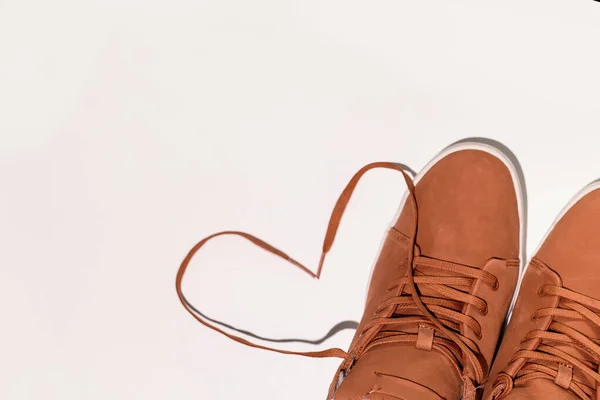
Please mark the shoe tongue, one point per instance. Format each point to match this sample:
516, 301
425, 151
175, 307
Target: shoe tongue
400, 371
541, 389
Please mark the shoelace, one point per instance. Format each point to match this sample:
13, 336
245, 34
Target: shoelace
440, 314
447, 306
532, 364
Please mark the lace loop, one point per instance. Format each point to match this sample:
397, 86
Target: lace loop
503, 386
332, 228
441, 314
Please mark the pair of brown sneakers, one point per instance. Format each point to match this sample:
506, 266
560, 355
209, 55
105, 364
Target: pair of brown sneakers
443, 286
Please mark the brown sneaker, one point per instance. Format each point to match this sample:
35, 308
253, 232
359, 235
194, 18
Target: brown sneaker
551, 349
437, 342
441, 287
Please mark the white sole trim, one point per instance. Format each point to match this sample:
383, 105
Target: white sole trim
581, 194
578, 196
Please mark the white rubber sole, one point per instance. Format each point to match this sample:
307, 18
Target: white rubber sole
581, 194
502, 156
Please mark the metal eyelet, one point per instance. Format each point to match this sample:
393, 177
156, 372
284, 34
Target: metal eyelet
485, 310
540, 292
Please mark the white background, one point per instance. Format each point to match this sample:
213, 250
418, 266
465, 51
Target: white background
131, 129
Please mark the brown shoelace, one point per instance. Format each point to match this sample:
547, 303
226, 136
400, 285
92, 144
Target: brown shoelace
536, 364
438, 318
447, 306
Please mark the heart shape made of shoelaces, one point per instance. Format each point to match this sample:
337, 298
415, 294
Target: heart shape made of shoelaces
334, 221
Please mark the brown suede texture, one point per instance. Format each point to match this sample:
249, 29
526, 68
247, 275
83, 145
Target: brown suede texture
521, 323
468, 214
569, 257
